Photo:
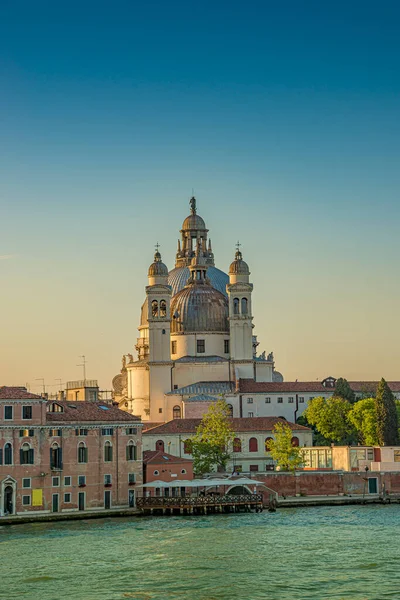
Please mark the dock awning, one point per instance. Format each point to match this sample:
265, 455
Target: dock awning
205, 483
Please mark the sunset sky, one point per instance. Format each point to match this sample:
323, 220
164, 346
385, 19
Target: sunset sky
284, 117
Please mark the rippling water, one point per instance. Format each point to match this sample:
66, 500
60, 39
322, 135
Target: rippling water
305, 553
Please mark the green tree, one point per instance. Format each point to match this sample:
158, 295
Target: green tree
318, 438
343, 390
386, 416
212, 443
330, 417
363, 417
287, 456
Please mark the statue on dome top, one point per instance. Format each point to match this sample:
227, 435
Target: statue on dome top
192, 203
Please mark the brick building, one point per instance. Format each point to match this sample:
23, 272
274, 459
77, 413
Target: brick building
160, 466
62, 456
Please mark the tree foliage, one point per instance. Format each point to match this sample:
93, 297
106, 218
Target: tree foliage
287, 456
330, 417
212, 443
363, 417
343, 390
386, 416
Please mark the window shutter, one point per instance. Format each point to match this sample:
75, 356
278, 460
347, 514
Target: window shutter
127, 453
21, 456
1, 456
60, 458
31, 456
134, 453
51, 458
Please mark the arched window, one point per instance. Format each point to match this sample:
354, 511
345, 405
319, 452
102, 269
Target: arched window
187, 447
230, 407
253, 445
26, 454
267, 440
183, 471
160, 445
131, 453
154, 308
295, 441
244, 306
82, 453
236, 306
55, 457
8, 454
156, 472
163, 308
237, 445
176, 411
108, 452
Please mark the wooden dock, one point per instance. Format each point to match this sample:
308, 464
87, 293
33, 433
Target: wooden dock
200, 505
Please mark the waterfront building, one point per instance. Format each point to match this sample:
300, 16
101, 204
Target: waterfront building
161, 466
196, 342
249, 453
63, 456
352, 458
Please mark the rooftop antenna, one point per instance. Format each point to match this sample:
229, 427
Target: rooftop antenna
42, 380
59, 383
83, 365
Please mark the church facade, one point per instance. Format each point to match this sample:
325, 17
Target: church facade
196, 337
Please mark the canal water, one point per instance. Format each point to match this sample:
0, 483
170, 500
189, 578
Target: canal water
346, 552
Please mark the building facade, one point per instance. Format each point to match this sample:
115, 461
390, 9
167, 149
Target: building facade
249, 451
64, 456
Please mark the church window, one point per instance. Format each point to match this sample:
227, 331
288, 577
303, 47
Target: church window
163, 308
253, 445
174, 347
295, 441
236, 306
237, 445
160, 411
226, 346
154, 308
244, 306
26, 455
8, 454
201, 346
176, 412
230, 408
108, 452
82, 453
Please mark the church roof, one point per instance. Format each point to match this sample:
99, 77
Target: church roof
201, 359
204, 387
202, 398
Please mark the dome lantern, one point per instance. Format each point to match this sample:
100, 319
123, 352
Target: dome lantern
158, 271
239, 270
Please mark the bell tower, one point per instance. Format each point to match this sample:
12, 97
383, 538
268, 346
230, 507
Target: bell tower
239, 291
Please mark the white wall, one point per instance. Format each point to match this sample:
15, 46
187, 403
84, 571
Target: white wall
187, 344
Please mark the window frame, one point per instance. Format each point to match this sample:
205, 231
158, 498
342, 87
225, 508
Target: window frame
24, 408
7, 408
200, 346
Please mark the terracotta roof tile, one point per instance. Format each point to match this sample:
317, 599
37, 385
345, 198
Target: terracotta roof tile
82, 412
238, 425
251, 386
156, 456
17, 393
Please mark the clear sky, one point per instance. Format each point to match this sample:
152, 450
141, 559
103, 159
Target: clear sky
285, 119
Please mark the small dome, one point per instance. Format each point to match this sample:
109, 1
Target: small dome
199, 308
194, 222
157, 267
239, 266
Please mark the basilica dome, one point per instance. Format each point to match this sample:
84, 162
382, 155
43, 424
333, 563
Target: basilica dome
194, 223
178, 277
199, 308
157, 268
239, 266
